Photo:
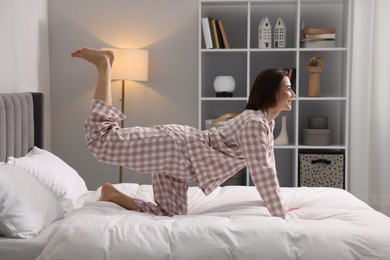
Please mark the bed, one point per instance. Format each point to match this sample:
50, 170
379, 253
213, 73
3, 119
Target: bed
67, 221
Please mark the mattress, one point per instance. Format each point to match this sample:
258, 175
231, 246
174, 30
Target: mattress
230, 223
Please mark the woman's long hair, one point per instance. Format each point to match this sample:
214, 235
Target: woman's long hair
265, 89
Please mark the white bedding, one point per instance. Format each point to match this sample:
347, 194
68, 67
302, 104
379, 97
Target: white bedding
230, 223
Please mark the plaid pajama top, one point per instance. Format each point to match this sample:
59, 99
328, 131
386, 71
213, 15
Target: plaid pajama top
178, 154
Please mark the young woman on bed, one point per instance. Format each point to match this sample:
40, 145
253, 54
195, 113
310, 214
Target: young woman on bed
177, 155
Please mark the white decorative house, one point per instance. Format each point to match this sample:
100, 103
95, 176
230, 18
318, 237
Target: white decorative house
265, 33
280, 34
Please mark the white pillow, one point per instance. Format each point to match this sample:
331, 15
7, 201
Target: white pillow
55, 174
26, 206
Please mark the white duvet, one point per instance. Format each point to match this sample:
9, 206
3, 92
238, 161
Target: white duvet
230, 223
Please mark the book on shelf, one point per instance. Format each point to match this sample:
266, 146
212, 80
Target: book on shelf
223, 33
207, 33
318, 30
214, 34
219, 35
318, 43
318, 38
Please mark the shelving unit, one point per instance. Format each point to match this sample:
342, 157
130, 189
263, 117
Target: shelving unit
244, 60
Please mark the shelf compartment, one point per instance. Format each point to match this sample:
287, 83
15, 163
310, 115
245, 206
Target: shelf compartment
327, 14
333, 79
260, 61
287, 10
213, 109
335, 110
216, 64
234, 15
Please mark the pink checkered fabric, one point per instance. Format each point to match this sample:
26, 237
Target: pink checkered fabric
170, 193
178, 154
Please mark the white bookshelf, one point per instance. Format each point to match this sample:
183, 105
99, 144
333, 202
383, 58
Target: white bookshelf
244, 60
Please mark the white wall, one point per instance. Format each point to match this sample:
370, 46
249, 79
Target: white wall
24, 50
168, 29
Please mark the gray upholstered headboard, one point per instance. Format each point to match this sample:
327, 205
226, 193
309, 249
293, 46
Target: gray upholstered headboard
21, 123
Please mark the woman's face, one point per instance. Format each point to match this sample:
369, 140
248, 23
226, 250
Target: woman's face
285, 95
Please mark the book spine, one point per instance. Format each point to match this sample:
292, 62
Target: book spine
207, 33
212, 32
318, 30
215, 33
219, 34
321, 36
223, 33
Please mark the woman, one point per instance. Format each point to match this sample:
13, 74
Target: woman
177, 155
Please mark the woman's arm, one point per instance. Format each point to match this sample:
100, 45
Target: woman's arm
255, 144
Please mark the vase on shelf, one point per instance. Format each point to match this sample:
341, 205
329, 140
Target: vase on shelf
224, 86
282, 138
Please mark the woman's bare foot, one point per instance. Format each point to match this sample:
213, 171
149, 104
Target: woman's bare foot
111, 194
108, 192
95, 56
103, 60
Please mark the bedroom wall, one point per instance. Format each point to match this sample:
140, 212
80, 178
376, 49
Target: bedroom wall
168, 29
24, 49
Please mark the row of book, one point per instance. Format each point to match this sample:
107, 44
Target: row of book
318, 38
214, 34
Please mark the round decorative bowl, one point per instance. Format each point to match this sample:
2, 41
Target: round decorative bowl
224, 84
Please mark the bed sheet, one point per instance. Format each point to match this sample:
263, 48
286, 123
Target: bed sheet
230, 223
21, 249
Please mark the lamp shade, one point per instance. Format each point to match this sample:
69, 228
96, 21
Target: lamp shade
130, 64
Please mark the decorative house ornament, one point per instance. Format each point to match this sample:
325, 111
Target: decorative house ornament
280, 34
265, 33
224, 86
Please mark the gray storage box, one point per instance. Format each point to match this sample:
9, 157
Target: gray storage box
321, 170
318, 122
316, 136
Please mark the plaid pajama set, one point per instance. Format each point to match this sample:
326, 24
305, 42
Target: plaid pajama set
177, 155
